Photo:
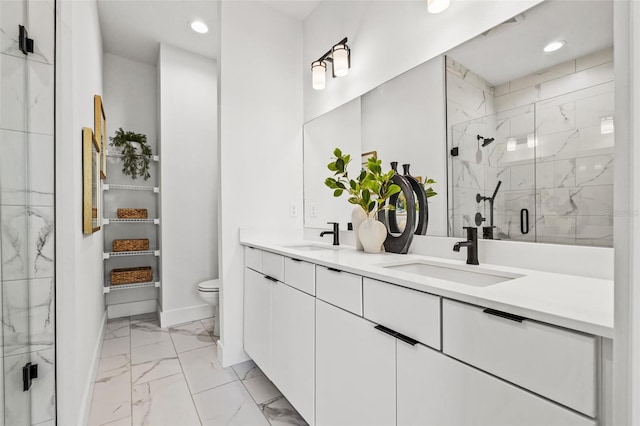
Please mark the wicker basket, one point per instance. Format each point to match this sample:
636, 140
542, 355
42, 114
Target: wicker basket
131, 275
130, 245
132, 213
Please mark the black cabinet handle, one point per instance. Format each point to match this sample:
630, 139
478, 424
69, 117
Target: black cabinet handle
397, 335
505, 315
524, 221
296, 260
271, 278
334, 269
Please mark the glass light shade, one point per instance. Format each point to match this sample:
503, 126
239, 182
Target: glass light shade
511, 144
318, 74
531, 140
340, 54
606, 125
437, 6
199, 27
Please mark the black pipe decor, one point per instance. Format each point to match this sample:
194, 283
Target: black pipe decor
421, 198
399, 243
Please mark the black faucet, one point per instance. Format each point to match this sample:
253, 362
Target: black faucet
335, 232
471, 244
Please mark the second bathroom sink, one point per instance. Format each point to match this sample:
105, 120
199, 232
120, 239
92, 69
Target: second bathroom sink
478, 277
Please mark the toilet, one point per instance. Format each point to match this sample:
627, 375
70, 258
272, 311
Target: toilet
209, 291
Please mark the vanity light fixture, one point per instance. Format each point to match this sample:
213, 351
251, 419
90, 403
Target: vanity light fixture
511, 144
531, 140
340, 58
554, 45
199, 27
437, 6
606, 125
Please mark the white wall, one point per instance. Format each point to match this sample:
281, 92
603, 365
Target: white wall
188, 179
261, 141
388, 38
79, 269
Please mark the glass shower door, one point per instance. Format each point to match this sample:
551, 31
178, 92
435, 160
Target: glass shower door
27, 214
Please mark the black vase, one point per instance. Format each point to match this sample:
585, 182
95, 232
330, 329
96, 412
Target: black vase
400, 243
421, 198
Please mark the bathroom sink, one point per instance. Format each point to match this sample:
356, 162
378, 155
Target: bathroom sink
309, 247
478, 277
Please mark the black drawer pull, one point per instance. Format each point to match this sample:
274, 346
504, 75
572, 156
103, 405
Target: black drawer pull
505, 315
271, 278
334, 269
397, 335
296, 260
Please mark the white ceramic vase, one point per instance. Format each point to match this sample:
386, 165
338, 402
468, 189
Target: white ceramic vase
372, 235
357, 217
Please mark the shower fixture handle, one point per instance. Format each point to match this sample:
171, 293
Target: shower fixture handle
524, 221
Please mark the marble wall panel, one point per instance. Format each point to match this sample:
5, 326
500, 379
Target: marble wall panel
28, 317
27, 242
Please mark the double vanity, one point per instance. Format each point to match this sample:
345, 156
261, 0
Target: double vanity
359, 339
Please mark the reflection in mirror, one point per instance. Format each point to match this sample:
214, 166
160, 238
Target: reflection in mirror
535, 126
402, 120
339, 128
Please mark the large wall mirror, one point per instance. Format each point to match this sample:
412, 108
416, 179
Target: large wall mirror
519, 140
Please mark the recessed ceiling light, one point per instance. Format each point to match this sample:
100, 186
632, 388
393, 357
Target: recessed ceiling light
437, 6
199, 27
554, 45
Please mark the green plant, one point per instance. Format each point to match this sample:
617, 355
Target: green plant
428, 190
370, 190
134, 164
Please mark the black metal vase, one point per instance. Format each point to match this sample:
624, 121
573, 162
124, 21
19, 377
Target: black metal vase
421, 198
399, 243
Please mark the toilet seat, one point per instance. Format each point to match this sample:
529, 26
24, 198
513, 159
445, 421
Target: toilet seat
211, 286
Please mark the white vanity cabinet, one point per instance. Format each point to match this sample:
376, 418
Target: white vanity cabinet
436, 390
279, 326
257, 318
355, 370
346, 349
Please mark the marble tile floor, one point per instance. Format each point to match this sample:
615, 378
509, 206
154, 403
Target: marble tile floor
157, 376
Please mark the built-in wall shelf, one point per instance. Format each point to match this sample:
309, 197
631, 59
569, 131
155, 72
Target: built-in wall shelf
116, 154
108, 288
107, 187
116, 220
108, 255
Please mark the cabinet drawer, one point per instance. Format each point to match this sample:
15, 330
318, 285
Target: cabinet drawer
339, 288
253, 258
409, 312
300, 275
273, 265
553, 362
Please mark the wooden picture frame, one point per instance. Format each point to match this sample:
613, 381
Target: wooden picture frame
365, 157
100, 131
91, 194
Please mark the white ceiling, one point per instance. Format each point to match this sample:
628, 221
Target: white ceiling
134, 29
514, 50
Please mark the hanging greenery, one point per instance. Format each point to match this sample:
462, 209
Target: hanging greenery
135, 162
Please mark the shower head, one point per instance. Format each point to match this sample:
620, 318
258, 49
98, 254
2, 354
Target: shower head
485, 141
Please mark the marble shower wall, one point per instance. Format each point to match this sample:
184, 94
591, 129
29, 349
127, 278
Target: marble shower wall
561, 169
27, 211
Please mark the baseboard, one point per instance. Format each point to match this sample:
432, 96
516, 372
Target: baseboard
180, 316
233, 356
120, 310
85, 405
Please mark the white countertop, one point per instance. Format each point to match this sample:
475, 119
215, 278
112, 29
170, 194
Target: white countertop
578, 303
